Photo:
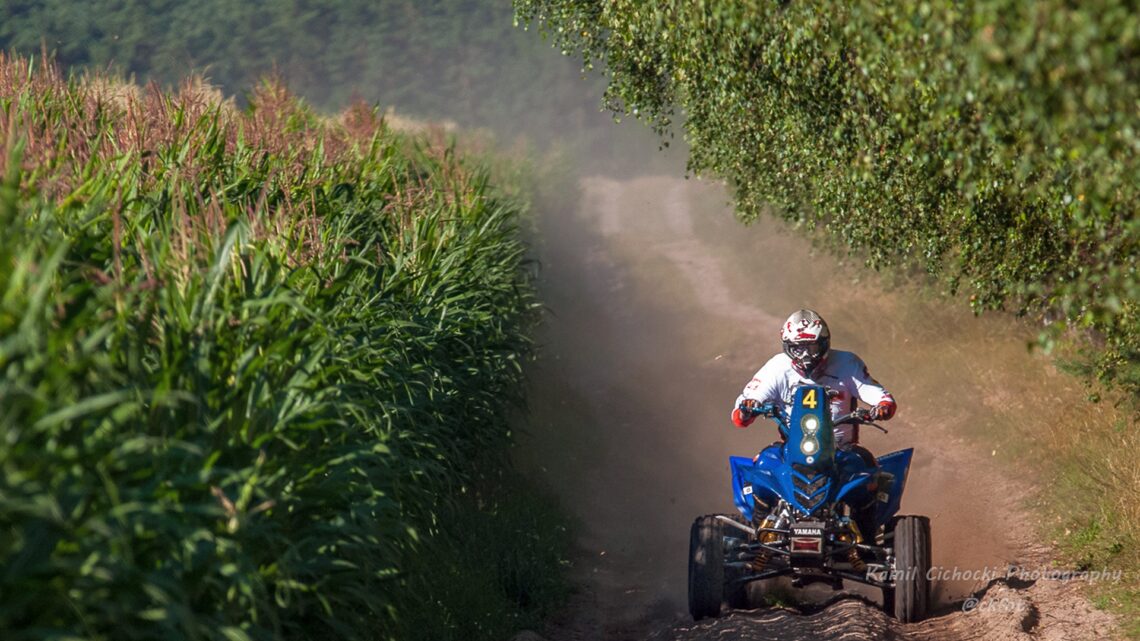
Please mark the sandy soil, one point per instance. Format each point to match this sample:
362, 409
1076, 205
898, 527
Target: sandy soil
661, 308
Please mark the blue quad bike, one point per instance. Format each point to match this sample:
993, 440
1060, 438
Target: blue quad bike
815, 513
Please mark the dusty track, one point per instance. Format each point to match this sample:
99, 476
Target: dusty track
661, 308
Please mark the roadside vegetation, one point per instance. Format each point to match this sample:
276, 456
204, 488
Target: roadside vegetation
256, 368
989, 148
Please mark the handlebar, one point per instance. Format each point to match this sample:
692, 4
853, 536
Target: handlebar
765, 409
858, 417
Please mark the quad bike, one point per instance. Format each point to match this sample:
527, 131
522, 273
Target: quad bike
815, 513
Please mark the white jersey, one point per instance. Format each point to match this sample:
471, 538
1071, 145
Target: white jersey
843, 372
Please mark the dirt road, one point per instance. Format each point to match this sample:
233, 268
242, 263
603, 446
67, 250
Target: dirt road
661, 308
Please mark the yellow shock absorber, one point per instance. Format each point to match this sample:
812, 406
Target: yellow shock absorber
767, 538
854, 537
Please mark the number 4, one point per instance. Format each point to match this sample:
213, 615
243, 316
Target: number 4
809, 399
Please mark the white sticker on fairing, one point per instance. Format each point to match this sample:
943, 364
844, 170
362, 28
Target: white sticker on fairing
747, 490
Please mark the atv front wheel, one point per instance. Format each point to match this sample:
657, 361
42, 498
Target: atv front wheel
706, 567
737, 595
910, 596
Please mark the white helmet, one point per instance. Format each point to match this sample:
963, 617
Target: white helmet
806, 341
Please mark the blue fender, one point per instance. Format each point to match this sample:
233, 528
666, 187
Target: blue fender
849, 492
764, 477
768, 478
896, 464
740, 473
858, 474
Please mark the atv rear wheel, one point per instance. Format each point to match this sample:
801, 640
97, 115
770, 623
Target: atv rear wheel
706, 567
907, 601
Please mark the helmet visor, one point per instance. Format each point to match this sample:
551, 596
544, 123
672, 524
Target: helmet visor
806, 350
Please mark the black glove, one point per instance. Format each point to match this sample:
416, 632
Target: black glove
753, 407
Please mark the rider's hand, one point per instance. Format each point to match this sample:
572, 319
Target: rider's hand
752, 406
743, 415
883, 411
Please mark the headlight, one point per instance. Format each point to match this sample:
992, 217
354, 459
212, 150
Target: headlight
809, 446
810, 423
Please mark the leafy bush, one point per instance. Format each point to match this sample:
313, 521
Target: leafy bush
245, 360
992, 143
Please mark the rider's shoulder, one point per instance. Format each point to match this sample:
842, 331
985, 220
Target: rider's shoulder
842, 362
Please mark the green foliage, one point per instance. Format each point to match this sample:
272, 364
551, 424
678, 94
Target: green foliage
496, 566
993, 143
246, 360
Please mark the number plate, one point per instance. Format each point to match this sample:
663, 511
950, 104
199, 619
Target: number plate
807, 538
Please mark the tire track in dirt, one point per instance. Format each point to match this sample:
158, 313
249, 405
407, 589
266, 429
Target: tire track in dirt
661, 308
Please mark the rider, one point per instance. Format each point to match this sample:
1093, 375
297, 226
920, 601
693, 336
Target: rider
808, 359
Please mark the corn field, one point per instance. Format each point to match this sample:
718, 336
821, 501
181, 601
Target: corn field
245, 358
